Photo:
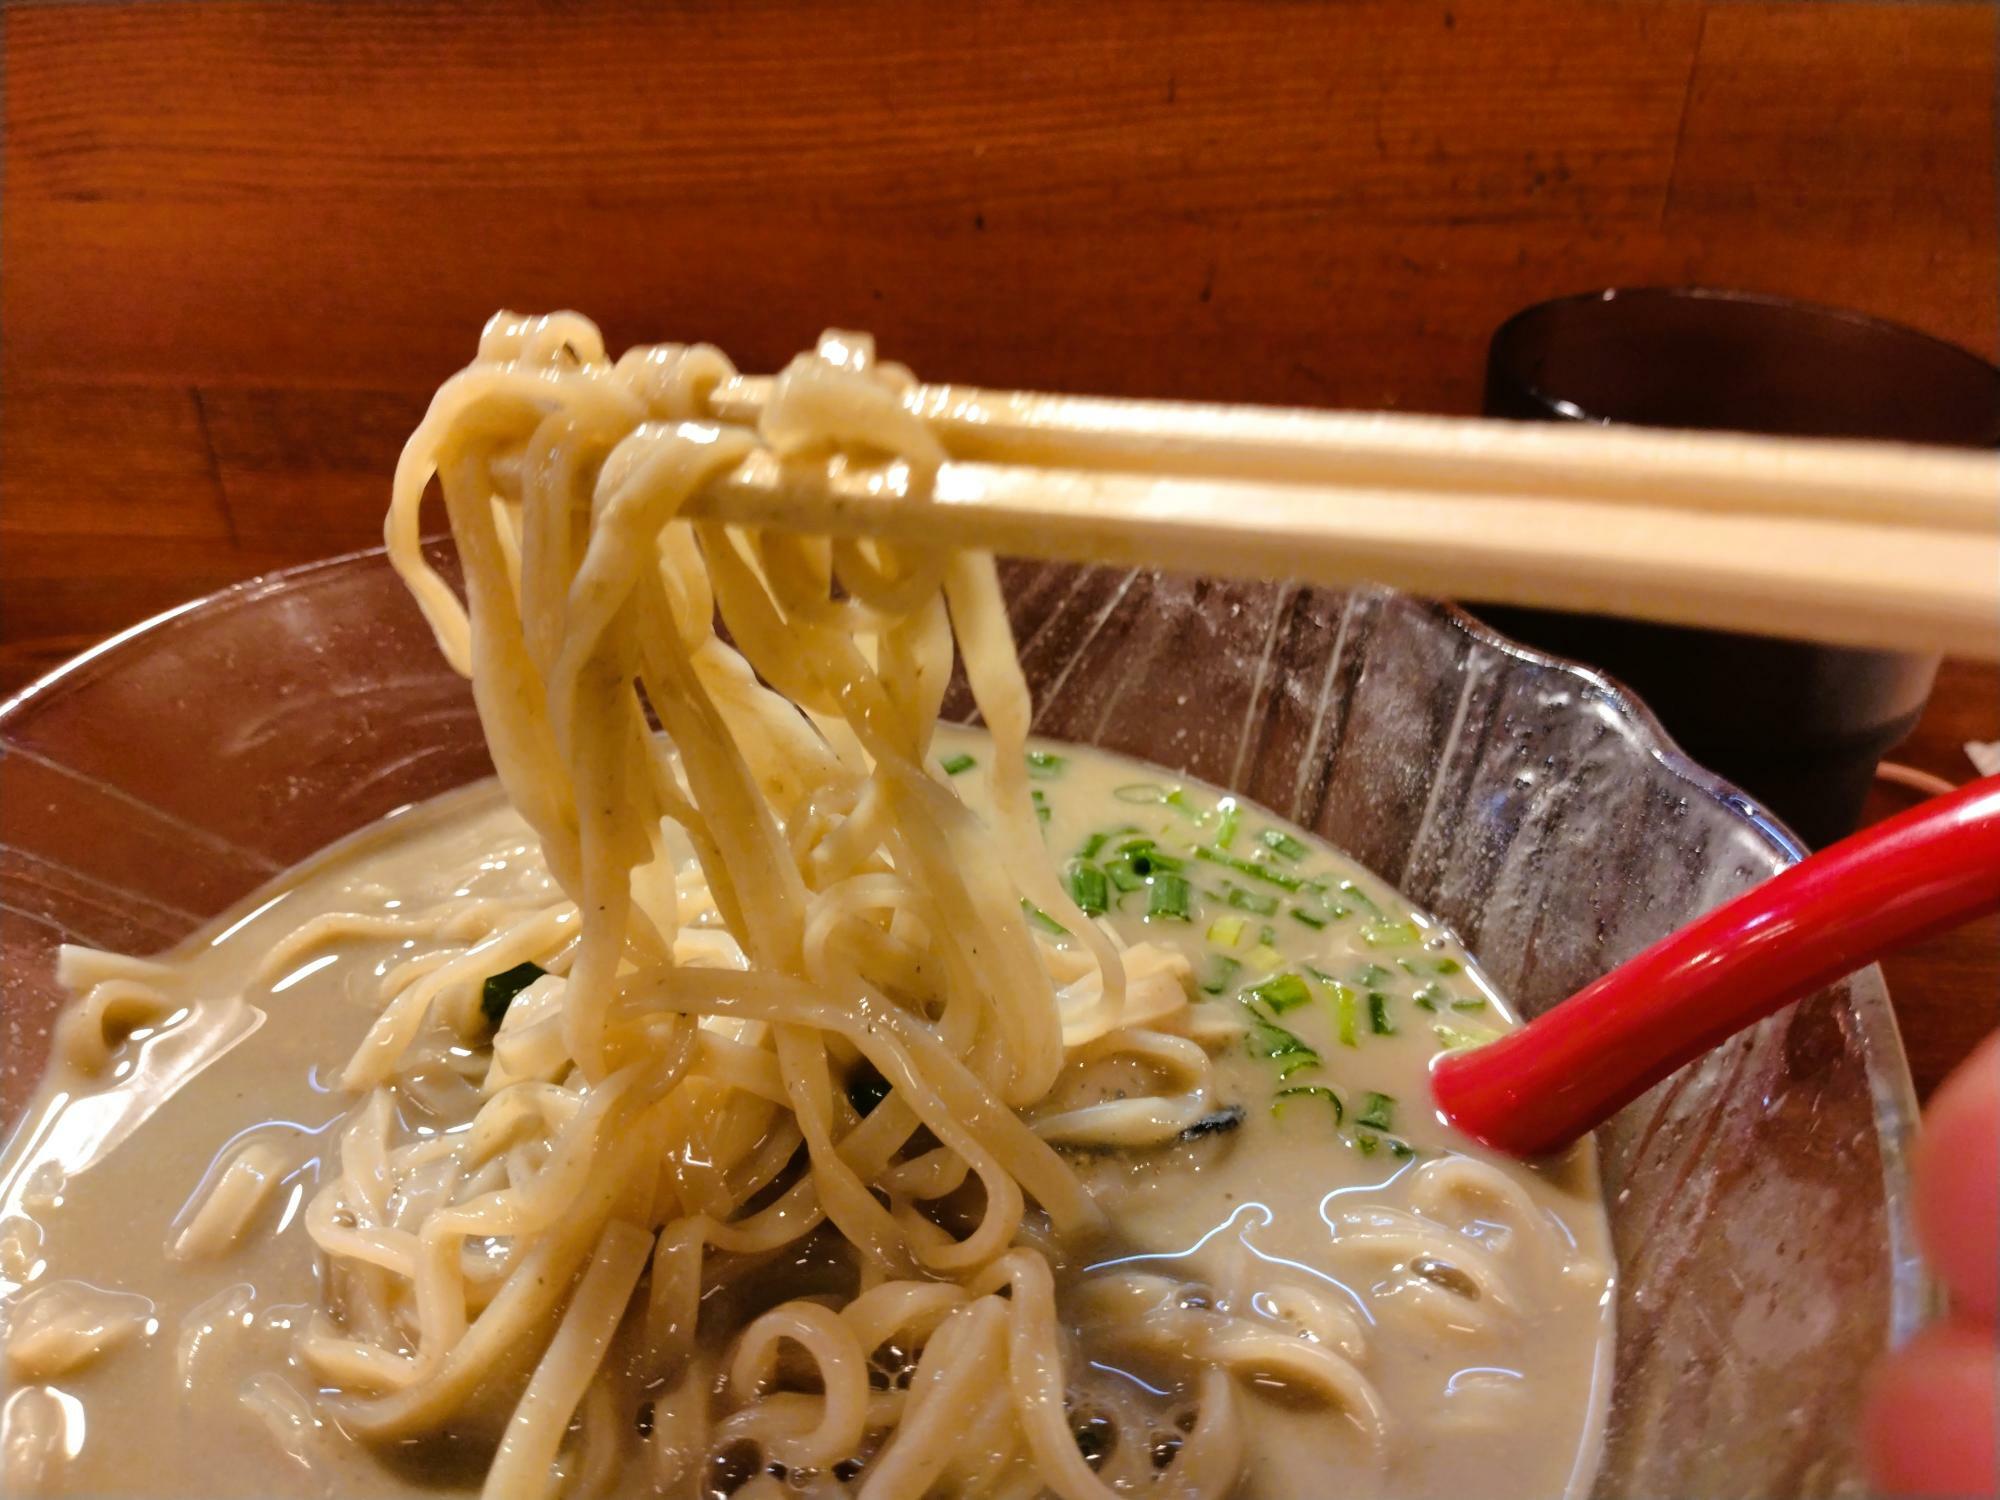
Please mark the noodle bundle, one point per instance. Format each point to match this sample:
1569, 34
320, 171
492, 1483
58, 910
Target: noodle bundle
790, 1002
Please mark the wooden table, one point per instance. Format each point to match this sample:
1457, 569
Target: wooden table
243, 241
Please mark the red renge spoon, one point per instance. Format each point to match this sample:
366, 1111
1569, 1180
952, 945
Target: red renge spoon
1566, 1072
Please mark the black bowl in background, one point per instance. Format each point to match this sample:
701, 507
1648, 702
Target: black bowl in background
1800, 726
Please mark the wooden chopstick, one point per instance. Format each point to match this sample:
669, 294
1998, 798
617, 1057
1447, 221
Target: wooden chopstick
1394, 450
1851, 543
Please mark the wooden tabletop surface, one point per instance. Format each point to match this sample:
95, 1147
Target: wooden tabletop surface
243, 241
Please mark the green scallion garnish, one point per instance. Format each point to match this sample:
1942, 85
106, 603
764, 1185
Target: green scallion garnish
1310, 1091
1141, 791
1226, 932
1041, 805
1226, 825
1043, 766
1471, 1002
1344, 1014
955, 765
1300, 914
1378, 1014
1248, 867
1222, 971
1268, 1039
1087, 887
1168, 897
1370, 974
1121, 874
1042, 919
1429, 997
1448, 966
1249, 901
1282, 992
1359, 897
1366, 1142
1378, 1111
500, 990
1385, 934
1455, 1037
1283, 844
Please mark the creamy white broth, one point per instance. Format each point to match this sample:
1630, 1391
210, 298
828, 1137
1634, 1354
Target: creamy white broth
1472, 1293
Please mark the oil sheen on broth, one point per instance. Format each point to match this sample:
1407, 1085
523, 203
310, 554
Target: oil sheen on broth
1315, 1204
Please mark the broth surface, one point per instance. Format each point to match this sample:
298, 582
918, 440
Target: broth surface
1473, 1292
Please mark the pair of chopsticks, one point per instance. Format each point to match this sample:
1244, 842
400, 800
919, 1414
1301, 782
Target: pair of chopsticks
1867, 544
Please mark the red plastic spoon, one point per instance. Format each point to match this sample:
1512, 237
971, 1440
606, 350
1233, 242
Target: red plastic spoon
1573, 1067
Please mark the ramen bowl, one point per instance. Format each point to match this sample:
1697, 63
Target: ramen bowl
1758, 1198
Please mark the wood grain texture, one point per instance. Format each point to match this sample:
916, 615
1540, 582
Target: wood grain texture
243, 241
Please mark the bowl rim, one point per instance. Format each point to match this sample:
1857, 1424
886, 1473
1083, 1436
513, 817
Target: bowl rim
1978, 369
1913, 1297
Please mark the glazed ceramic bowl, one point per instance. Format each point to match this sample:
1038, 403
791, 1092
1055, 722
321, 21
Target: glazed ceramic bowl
1758, 1198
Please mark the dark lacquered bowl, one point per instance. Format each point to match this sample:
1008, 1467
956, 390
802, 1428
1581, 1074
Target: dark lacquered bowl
1759, 1198
1800, 723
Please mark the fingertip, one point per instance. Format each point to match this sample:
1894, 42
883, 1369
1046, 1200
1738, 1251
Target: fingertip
1931, 1414
1957, 1175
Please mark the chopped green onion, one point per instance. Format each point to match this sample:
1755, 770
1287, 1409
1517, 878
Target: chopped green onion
1244, 900
1090, 846
1448, 966
1248, 867
1400, 1148
1265, 959
1226, 932
1282, 993
1370, 974
1225, 829
1383, 934
1222, 969
1378, 1014
1309, 1091
1043, 766
1300, 914
499, 990
1474, 1002
1042, 919
1428, 997
1141, 791
1280, 1046
1267, 935
1087, 887
955, 765
1177, 800
1121, 874
1169, 898
1359, 897
1041, 805
1283, 844
1343, 1009
1150, 861
1455, 1037
1366, 1142
1379, 1110
1140, 845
